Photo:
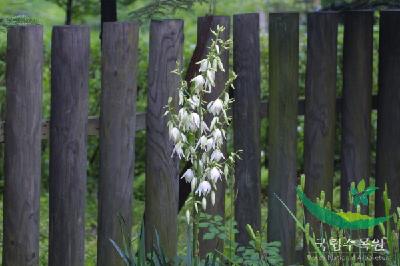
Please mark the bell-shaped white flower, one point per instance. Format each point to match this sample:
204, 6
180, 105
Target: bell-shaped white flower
217, 155
188, 175
178, 150
211, 77
188, 216
215, 64
180, 94
204, 64
214, 174
174, 134
213, 197
220, 65
215, 107
183, 138
204, 188
194, 101
214, 122
217, 137
227, 100
199, 82
204, 127
202, 143
204, 203
210, 144
184, 118
194, 121
193, 184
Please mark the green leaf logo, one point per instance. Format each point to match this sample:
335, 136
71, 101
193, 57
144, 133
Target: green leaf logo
360, 195
341, 220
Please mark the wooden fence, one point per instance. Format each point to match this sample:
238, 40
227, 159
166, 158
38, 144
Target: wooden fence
69, 126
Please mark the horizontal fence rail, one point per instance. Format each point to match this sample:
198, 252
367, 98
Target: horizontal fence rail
69, 127
94, 127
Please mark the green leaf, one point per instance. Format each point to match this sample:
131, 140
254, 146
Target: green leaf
370, 190
356, 200
203, 225
212, 229
361, 186
217, 218
341, 220
208, 236
222, 236
241, 249
364, 200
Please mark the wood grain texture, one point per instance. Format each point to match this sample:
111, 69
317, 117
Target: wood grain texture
357, 101
246, 121
319, 138
162, 171
22, 145
388, 132
282, 138
68, 130
117, 136
211, 22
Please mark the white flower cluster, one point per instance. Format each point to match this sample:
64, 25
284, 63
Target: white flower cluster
197, 139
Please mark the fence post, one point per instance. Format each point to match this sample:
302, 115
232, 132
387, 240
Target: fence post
319, 138
205, 24
162, 171
357, 100
117, 136
388, 145
22, 145
282, 114
246, 121
68, 126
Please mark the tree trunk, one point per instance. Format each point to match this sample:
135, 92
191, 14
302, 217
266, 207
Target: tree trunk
68, 15
108, 12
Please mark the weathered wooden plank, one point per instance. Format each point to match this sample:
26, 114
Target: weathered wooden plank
68, 130
211, 22
319, 138
162, 171
22, 146
246, 122
117, 136
357, 100
388, 132
282, 139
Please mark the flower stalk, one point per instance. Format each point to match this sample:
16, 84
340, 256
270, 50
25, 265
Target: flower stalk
199, 141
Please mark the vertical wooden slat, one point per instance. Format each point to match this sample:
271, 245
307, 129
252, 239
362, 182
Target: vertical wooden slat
357, 99
211, 22
319, 138
246, 121
22, 145
68, 126
388, 135
162, 172
283, 91
117, 136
